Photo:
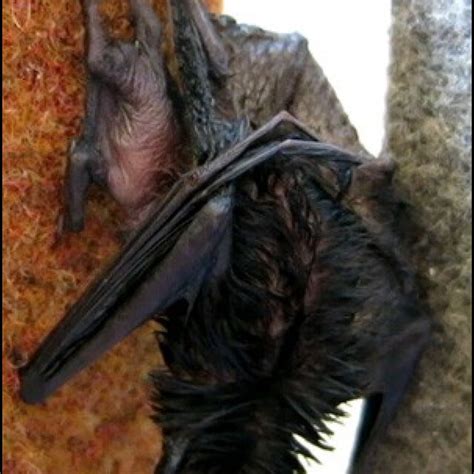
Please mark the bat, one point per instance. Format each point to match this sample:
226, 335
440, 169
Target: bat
276, 266
130, 139
265, 73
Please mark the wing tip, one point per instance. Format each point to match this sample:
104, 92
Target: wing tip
33, 390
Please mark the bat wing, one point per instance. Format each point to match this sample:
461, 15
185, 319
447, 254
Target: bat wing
164, 262
180, 246
147, 278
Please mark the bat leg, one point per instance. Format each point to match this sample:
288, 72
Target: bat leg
110, 66
393, 376
84, 159
84, 166
85, 333
77, 182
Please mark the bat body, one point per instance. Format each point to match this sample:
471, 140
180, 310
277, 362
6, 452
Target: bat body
130, 140
275, 265
132, 143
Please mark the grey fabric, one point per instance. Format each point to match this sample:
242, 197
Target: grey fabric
429, 135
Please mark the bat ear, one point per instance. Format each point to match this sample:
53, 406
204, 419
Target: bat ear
108, 312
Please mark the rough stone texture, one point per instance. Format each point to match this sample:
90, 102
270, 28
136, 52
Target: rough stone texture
429, 135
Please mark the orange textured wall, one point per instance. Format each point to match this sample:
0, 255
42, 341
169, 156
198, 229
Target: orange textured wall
99, 423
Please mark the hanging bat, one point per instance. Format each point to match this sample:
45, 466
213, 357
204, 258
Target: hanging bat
276, 265
136, 151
